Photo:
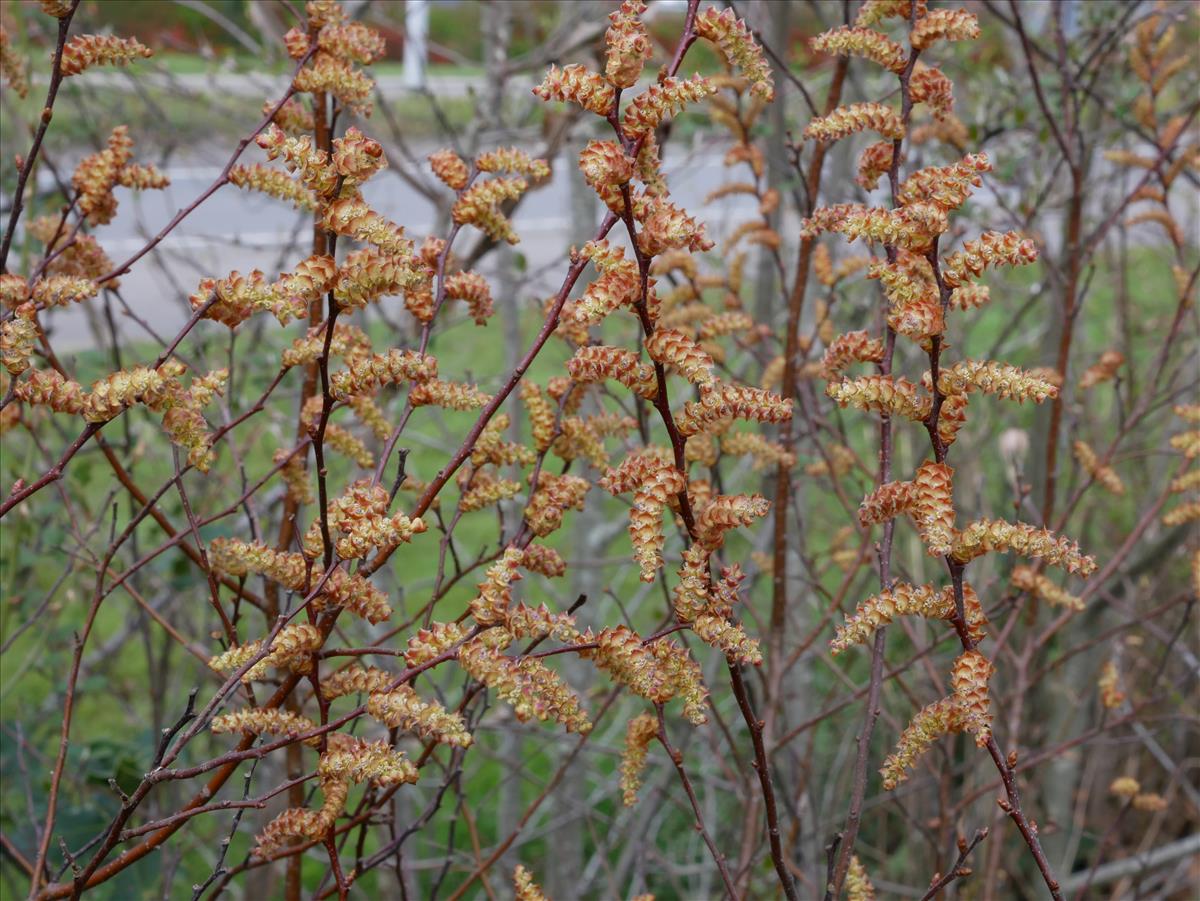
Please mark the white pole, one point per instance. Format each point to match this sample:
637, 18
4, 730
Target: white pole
416, 31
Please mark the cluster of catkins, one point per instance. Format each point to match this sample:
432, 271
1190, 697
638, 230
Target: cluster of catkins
681, 337
922, 285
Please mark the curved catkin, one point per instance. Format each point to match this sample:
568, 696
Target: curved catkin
1028, 579
928, 725
639, 732
987, 535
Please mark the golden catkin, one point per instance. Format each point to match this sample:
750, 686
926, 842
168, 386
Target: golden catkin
356, 679
533, 690
987, 535
856, 117
864, 42
628, 44
553, 497
17, 339
293, 825
1026, 578
763, 452
999, 379
264, 721
12, 66
1182, 514
86, 50
1104, 474
882, 609
737, 46
1125, 787
639, 732
933, 507
480, 206
970, 676
510, 159
944, 25
577, 84
676, 350
662, 100
449, 168
989, 250
896, 396
429, 643
873, 11
851, 347
524, 888
927, 726
858, 884
350, 759
621, 653
596, 363
402, 708
1109, 683
725, 512
645, 517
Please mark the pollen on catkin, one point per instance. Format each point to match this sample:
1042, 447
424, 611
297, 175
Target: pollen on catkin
524, 888
402, 708
580, 85
1102, 473
893, 395
858, 884
865, 42
987, 535
1026, 578
264, 721
532, 689
970, 676
737, 46
928, 725
639, 732
86, 50
847, 120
